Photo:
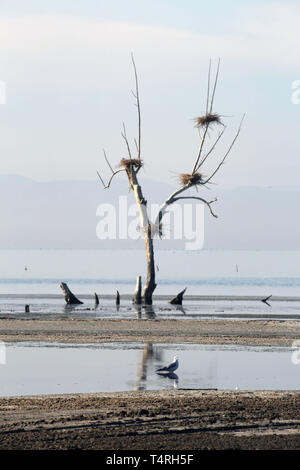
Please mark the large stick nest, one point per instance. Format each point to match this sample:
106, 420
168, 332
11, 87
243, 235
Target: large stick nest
131, 163
207, 120
190, 179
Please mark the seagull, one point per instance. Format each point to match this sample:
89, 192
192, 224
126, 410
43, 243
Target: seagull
171, 367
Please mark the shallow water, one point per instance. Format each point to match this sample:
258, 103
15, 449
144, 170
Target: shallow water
43, 306
44, 368
219, 283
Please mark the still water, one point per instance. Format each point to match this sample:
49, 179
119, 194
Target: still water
44, 368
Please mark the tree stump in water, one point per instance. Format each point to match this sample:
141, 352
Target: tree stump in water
68, 295
178, 299
137, 298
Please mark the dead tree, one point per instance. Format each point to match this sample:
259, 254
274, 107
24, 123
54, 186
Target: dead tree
70, 298
137, 298
132, 164
117, 298
177, 300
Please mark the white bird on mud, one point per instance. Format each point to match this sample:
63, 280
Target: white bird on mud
171, 367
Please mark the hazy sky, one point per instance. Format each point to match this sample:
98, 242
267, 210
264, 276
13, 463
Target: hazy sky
67, 69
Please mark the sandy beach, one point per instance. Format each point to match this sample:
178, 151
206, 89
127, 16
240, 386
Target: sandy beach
179, 419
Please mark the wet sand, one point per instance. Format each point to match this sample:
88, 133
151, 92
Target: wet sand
208, 331
151, 420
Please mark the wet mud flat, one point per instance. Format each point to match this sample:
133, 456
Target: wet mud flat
201, 331
151, 420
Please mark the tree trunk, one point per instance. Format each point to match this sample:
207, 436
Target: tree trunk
150, 284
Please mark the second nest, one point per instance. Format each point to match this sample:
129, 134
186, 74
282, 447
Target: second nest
190, 179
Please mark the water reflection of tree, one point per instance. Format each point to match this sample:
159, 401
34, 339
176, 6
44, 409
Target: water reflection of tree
149, 354
146, 311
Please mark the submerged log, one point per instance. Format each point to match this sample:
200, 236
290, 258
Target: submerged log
137, 298
68, 295
96, 299
178, 299
117, 298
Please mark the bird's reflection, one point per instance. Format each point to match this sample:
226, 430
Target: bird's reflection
171, 376
152, 354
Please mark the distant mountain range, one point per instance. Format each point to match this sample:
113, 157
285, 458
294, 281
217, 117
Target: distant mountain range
62, 214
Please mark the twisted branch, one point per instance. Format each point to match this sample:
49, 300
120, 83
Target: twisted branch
208, 203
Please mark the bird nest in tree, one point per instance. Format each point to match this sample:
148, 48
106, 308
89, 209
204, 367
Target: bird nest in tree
190, 179
207, 120
131, 163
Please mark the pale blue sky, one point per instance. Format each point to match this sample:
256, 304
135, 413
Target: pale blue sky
68, 74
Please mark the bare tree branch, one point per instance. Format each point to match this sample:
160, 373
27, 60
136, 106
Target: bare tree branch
136, 95
112, 176
200, 149
101, 179
163, 208
215, 86
210, 110
208, 86
106, 186
212, 148
123, 134
208, 203
226, 154
108, 161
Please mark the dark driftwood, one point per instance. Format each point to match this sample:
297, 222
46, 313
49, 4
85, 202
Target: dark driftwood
117, 298
265, 301
178, 299
68, 295
96, 299
137, 298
